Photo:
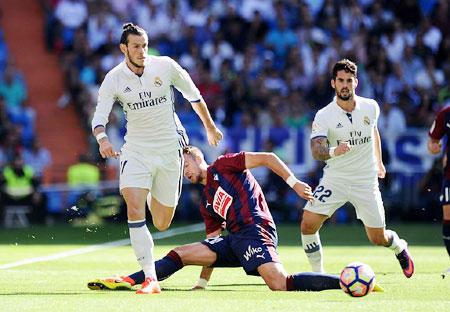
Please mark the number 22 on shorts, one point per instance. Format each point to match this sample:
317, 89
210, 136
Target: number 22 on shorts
321, 193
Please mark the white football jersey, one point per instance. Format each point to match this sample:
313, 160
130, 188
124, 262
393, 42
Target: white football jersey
148, 103
357, 128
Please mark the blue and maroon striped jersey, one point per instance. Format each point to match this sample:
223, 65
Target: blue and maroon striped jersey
439, 129
233, 195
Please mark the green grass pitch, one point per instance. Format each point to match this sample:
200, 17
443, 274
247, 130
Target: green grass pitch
60, 285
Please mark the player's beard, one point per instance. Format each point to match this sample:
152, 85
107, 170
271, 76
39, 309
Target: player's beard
344, 97
133, 62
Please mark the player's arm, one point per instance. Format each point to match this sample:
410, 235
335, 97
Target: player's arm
103, 109
274, 163
212, 132
183, 83
380, 166
434, 146
205, 274
322, 151
435, 134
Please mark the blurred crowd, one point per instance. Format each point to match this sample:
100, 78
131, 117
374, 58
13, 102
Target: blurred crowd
23, 160
265, 59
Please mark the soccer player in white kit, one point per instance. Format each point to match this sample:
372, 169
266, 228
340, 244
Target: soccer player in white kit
345, 136
151, 160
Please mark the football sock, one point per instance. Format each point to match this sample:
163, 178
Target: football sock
395, 243
311, 282
446, 234
313, 249
168, 265
165, 267
142, 243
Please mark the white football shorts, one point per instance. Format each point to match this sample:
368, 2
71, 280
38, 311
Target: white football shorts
331, 194
161, 174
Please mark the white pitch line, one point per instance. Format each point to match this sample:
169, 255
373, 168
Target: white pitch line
160, 235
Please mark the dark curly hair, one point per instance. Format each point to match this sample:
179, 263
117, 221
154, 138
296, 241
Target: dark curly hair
346, 65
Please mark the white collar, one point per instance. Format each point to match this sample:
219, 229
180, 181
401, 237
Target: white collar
357, 104
129, 72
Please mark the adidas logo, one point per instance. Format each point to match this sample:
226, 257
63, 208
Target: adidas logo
339, 125
127, 89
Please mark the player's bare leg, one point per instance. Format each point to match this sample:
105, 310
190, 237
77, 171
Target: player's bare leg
161, 215
311, 223
390, 239
141, 239
196, 254
278, 280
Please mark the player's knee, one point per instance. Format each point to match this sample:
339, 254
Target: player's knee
308, 227
161, 225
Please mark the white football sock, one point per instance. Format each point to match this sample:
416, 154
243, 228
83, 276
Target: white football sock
142, 243
396, 244
313, 249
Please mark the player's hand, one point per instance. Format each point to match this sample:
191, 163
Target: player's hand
434, 147
106, 149
304, 191
214, 136
342, 148
198, 287
381, 171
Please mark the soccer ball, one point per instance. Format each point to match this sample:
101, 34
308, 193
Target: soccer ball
357, 279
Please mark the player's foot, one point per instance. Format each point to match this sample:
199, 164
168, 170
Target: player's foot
149, 286
446, 273
377, 288
113, 283
406, 261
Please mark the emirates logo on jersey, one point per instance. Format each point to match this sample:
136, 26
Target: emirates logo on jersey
157, 82
222, 201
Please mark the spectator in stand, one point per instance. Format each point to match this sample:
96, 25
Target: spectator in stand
13, 89
392, 121
39, 159
19, 186
71, 15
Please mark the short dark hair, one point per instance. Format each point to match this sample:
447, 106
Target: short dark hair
347, 65
131, 29
192, 150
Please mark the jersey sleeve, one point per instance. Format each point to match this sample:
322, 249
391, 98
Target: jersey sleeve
437, 130
181, 80
319, 127
105, 101
231, 162
377, 113
212, 223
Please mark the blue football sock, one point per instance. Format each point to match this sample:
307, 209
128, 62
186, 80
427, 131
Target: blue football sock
165, 267
312, 282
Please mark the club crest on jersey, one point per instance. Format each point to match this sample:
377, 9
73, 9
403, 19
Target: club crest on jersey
216, 177
222, 201
366, 121
157, 82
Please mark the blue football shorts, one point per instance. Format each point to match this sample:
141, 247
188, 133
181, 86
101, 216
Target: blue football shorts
246, 252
